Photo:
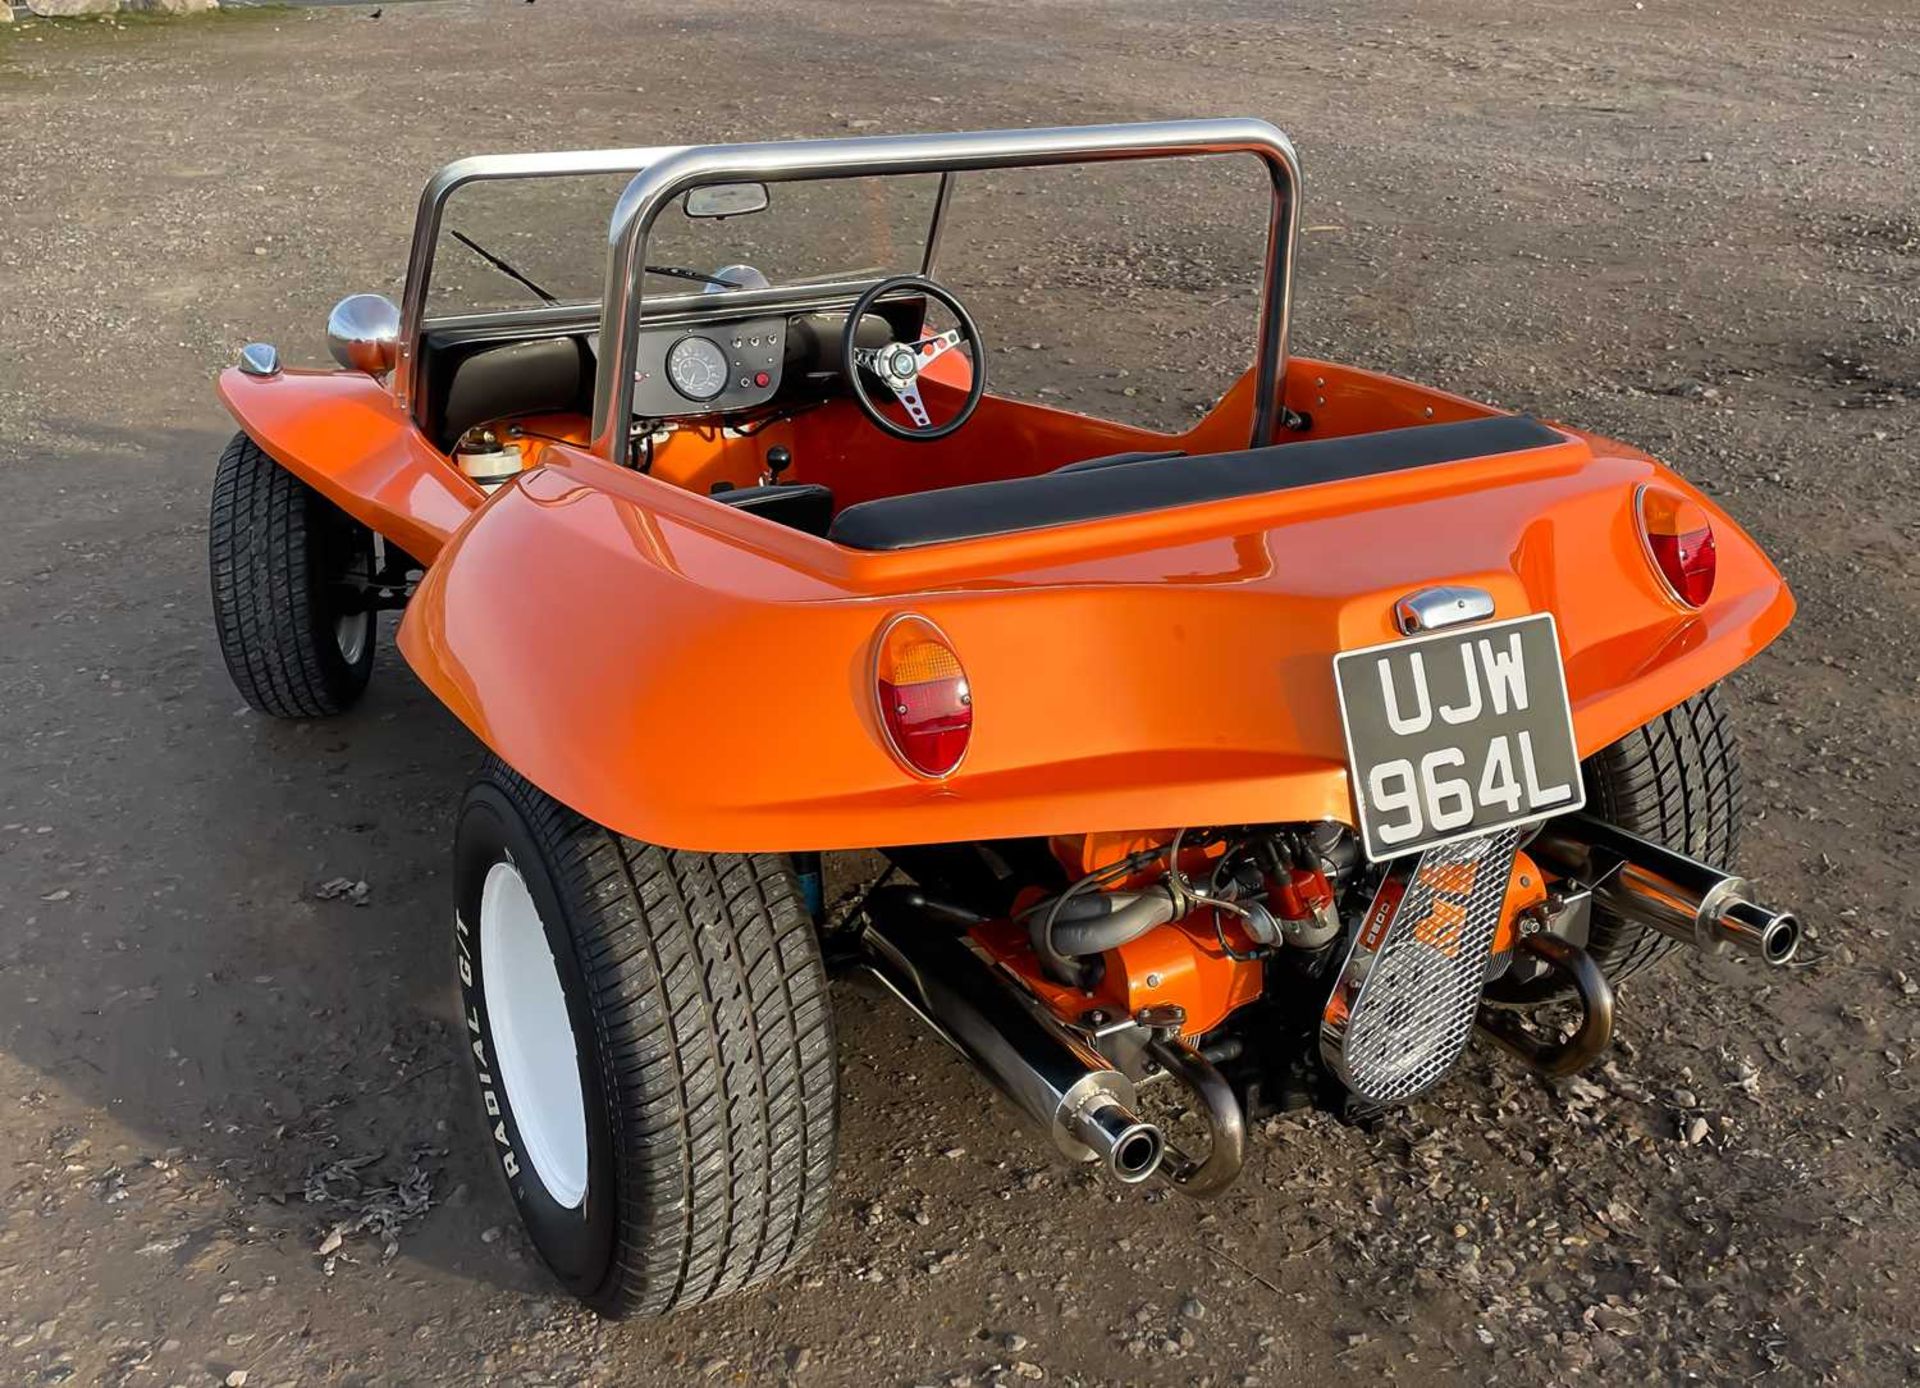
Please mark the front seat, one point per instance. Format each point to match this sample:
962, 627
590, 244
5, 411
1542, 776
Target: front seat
804, 506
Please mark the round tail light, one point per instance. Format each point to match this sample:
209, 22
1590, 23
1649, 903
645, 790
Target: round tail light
925, 704
1679, 540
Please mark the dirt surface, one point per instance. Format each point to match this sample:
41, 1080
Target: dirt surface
1691, 227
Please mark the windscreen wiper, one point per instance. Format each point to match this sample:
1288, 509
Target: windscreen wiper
675, 272
497, 263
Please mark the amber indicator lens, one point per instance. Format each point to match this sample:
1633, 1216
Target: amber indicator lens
924, 700
1680, 542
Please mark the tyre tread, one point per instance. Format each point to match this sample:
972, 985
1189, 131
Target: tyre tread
715, 1035
278, 649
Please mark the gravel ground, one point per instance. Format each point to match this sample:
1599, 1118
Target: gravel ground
234, 1144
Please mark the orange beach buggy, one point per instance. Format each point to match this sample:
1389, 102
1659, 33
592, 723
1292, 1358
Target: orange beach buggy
1256, 765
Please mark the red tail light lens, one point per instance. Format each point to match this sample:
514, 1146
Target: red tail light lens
1680, 542
925, 704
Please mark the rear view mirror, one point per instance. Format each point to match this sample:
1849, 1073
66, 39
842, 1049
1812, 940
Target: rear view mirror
726, 199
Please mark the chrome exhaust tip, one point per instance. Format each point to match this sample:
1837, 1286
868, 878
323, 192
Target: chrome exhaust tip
1051, 1074
1681, 897
1771, 936
1128, 1149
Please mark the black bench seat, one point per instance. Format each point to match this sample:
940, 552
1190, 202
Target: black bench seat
1095, 489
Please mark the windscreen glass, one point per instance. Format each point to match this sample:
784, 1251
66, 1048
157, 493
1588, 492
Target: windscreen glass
518, 243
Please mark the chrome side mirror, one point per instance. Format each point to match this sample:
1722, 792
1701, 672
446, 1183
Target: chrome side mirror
363, 333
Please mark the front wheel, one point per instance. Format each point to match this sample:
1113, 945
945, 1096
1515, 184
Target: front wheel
291, 573
654, 1048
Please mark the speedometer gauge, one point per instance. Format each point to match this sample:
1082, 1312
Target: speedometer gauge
697, 367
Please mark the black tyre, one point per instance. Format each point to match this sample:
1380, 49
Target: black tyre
290, 573
654, 1047
1675, 780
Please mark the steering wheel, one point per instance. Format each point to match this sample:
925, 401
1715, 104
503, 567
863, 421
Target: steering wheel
898, 365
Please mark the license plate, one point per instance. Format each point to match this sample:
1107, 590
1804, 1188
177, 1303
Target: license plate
1458, 733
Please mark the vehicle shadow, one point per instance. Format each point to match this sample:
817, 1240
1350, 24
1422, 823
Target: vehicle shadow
192, 956
224, 942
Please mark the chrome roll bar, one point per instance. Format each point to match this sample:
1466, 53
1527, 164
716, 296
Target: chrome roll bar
664, 173
657, 185
433, 201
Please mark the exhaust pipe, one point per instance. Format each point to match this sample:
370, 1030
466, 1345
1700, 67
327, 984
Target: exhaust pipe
1050, 1074
1558, 1059
1681, 897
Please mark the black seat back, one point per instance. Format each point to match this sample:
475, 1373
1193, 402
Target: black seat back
1117, 459
1074, 494
470, 382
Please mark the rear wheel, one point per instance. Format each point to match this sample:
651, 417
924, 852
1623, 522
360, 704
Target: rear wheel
290, 573
1675, 780
654, 1046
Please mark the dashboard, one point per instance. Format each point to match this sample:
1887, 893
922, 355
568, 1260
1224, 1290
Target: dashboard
700, 366
705, 368
685, 367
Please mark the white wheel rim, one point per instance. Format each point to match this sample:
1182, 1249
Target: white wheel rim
532, 1038
350, 631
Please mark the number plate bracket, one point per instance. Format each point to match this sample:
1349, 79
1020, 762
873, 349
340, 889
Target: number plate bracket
1457, 733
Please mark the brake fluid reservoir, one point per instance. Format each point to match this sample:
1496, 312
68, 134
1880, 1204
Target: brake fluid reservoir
489, 463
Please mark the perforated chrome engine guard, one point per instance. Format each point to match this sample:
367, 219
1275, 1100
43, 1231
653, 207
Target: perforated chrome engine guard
1404, 1002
